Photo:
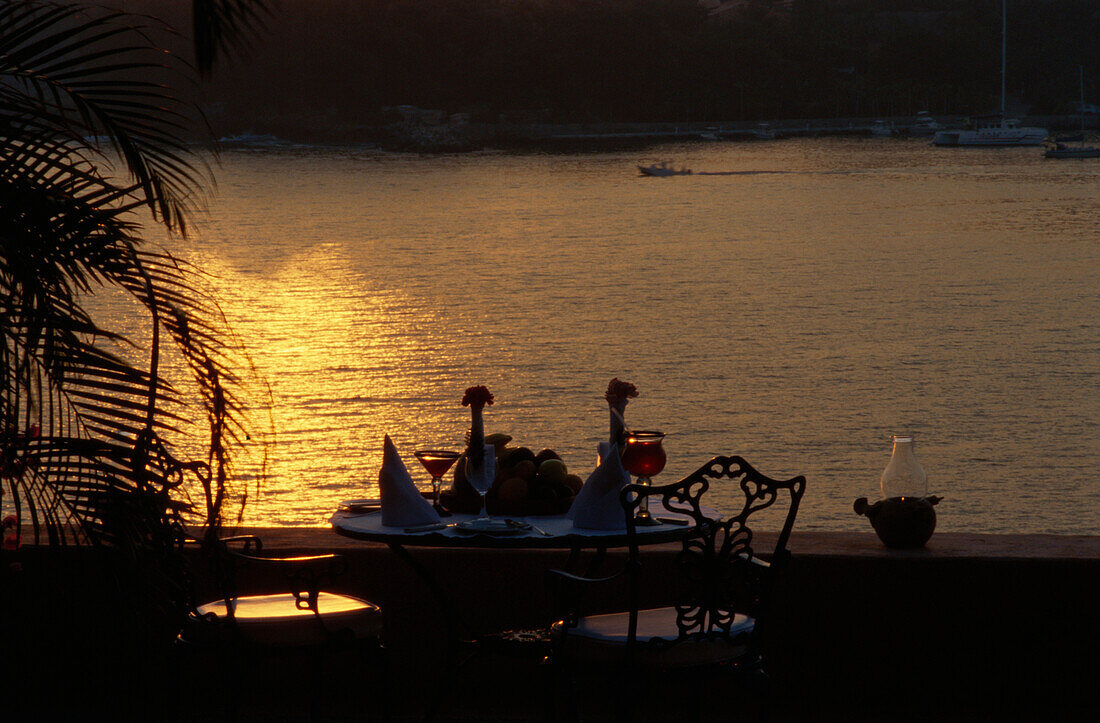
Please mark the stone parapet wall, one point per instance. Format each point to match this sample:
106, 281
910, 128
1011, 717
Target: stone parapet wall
1011, 618
974, 627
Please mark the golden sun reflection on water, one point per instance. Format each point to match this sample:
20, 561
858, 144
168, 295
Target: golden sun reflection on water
333, 354
798, 316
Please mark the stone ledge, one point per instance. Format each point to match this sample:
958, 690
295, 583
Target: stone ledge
947, 545
973, 620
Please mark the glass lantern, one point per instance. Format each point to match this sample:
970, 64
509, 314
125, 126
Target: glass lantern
905, 517
903, 476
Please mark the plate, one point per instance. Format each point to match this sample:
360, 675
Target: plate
360, 506
489, 527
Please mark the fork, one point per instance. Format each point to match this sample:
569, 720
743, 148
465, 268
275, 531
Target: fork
527, 526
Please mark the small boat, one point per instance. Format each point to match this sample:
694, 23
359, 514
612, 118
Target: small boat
663, 169
925, 125
1059, 149
882, 128
764, 131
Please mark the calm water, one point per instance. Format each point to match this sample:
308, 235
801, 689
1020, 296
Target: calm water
797, 303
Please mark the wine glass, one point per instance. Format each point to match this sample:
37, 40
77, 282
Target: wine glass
643, 457
482, 481
437, 462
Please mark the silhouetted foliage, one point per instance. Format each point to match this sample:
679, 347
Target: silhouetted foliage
93, 148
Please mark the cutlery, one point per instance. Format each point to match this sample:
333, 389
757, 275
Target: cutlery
527, 526
427, 528
674, 520
359, 509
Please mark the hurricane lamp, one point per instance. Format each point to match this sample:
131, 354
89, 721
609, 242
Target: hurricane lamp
905, 517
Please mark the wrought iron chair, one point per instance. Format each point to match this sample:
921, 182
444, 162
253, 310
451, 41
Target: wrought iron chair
721, 591
293, 619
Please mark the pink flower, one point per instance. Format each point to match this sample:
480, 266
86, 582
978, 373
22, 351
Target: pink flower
477, 396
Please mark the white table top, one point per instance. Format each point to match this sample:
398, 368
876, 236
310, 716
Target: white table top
560, 532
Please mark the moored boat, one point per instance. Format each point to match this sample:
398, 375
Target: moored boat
764, 131
996, 130
1064, 151
991, 131
1061, 150
882, 128
925, 125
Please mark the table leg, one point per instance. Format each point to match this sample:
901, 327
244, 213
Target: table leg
447, 609
573, 564
449, 613
596, 562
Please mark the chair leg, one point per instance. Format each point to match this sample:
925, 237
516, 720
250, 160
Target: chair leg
760, 685
696, 704
454, 662
562, 703
627, 690
379, 660
314, 692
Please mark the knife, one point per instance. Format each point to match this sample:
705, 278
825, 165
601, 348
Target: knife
674, 520
427, 528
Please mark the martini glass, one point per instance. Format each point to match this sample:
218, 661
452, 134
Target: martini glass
437, 462
643, 457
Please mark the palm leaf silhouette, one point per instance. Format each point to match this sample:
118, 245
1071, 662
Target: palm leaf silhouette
91, 138
225, 26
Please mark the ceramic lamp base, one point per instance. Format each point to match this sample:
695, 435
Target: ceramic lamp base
901, 522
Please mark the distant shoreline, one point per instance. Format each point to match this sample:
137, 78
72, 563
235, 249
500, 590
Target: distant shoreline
450, 136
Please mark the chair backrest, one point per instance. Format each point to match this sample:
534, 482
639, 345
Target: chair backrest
718, 572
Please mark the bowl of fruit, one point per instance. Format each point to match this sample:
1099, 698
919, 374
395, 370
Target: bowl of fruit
525, 483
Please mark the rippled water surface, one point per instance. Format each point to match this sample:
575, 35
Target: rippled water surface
795, 302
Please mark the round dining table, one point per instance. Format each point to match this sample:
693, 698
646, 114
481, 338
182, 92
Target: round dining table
556, 531
522, 533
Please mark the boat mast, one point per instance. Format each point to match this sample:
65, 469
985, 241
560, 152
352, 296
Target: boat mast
1004, 51
1081, 68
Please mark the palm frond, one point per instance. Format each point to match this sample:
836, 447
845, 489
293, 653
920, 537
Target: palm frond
78, 79
85, 409
223, 27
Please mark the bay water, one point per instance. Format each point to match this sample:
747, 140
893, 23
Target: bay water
794, 301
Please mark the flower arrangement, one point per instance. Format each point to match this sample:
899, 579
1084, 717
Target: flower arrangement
617, 395
521, 481
476, 398
619, 392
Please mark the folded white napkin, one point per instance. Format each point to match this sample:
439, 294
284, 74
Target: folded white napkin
597, 506
402, 503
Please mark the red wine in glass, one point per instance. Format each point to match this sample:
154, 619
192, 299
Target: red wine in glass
643, 457
437, 462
